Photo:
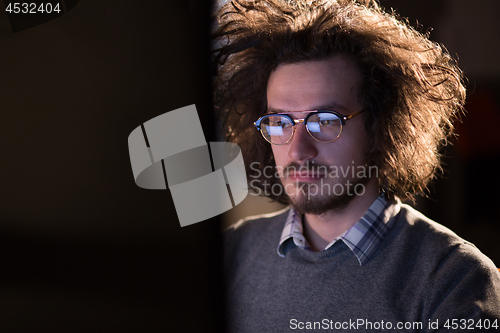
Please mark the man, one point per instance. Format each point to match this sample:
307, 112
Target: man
350, 106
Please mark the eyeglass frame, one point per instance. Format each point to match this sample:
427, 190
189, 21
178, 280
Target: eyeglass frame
294, 122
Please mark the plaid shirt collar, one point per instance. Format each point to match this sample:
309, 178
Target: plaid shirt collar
363, 238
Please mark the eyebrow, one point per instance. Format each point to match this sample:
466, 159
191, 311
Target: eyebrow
330, 106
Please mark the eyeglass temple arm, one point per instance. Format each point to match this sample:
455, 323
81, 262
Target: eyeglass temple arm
257, 124
353, 115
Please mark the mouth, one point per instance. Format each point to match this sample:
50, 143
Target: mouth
306, 176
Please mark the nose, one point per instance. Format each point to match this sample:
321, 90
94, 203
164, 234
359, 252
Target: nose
302, 147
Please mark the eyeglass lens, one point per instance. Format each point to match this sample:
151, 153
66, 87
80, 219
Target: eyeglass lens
324, 127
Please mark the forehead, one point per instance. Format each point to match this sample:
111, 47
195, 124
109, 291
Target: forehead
326, 84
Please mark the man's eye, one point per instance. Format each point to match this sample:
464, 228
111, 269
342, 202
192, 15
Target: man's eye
325, 122
282, 124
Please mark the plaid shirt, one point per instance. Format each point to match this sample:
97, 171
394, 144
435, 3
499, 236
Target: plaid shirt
363, 238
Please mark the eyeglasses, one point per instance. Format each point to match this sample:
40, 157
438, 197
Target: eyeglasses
322, 125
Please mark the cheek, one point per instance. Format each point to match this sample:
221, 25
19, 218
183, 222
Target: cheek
357, 141
277, 153
344, 151
280, 153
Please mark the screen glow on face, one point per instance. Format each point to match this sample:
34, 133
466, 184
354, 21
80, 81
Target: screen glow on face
322, 125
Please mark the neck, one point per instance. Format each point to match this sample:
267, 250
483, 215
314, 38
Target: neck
320, 230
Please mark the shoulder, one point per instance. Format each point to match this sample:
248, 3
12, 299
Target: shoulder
433, 240
254, 233
451, 270
258, 224
425, 227
425, 233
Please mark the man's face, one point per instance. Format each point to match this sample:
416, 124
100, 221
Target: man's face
325, 181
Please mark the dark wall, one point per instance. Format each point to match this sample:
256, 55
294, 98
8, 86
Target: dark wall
83, 249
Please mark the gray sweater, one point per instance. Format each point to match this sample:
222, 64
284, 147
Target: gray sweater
422, 277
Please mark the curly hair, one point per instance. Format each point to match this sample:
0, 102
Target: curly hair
411, 86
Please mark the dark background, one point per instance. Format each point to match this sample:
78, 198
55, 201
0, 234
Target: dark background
82, 247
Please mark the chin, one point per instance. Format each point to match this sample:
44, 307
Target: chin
318, 205
307, 198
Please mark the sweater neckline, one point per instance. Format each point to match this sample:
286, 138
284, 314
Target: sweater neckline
336, 248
